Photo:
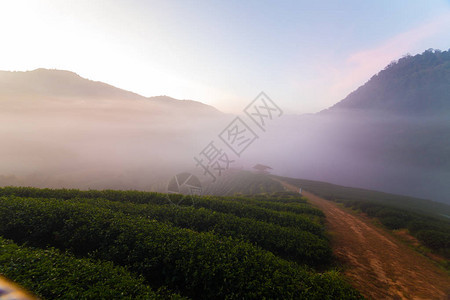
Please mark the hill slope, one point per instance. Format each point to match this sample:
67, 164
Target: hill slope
413, 85
60, 84
61, 130
392, 134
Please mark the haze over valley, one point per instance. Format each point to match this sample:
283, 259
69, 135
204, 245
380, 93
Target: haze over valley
225, 149
60, 130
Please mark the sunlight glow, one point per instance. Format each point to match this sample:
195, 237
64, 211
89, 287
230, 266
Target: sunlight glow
206, 52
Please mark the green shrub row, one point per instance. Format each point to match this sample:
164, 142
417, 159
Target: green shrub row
214, 203
333, 192
113, 195
426, 220
50, 274
279, 197
433, 233
282, 218
243, 182
294, 207
199, 265
287, 242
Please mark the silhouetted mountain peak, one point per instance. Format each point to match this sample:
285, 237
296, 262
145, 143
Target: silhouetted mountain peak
46, 83
58, 83
412, 85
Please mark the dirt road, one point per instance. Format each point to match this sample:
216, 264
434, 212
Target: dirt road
376, 263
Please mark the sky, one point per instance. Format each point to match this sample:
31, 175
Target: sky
305, 55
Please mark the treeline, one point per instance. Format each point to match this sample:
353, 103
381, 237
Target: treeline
431, 232
218, 248
419, 216
405, 86
334, 191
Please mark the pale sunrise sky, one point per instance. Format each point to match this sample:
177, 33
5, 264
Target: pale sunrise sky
306, 55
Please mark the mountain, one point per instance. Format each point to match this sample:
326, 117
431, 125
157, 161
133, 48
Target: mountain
61, 130
44, 83
413, 85
407, 106
57, 83
392, 134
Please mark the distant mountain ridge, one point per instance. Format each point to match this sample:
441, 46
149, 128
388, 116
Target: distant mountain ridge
61, 130
392, 134
61, 83
413, 85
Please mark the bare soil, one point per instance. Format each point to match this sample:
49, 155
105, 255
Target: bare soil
375, 262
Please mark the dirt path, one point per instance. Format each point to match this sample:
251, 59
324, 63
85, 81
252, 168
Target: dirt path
377, 264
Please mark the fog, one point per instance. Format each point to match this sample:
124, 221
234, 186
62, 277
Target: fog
59, 130
397, 154
98, 143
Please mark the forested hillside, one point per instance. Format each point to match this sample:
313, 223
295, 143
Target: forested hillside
413, 85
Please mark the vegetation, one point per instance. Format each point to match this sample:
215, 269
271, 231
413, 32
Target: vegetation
416, 84
400, 121
243, 182
237, 206
291, 243
431, 232
218, 248
424, 219
52, 274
